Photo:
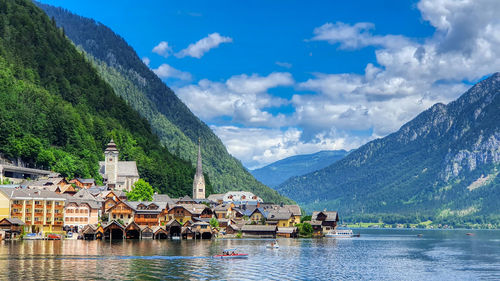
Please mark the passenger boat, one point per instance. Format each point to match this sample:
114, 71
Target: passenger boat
341, 233
230, 254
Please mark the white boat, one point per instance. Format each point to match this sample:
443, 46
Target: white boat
32, 236
340, 233
176, 238
273, 245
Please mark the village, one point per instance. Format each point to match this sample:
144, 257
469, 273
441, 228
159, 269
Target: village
53, 207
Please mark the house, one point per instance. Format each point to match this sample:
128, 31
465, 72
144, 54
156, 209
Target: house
259, 231
121, 211
113, 230
241, 198
202, 230
223, 211
281, 218
216, 198
92, 232
256, 214
328, 219
81, 212
147, 213
317, 228
83, 183
11, 227
288, 232
39, 210
159, 232
185, 200
118, 175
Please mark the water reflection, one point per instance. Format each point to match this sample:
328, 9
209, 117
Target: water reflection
377, 254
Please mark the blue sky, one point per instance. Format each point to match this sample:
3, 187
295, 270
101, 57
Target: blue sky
279, 78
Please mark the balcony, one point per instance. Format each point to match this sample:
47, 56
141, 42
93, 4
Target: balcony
16, 214
28, 206
38, 222
145, 221
38, 214
17, 206
39, 206
58, 223
58, 215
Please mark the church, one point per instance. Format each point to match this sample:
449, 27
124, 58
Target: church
118, 175
199, 179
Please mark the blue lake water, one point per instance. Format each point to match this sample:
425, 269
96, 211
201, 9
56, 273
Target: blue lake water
376, 255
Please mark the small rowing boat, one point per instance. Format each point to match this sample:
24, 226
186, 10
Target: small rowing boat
273, 245
230, 254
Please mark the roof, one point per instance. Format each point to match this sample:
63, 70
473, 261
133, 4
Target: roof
186, 199
215, 197
330, 215
294, 209
111, 146
113, 222
279, 215
163, 198
257, 227
222, 207
14, 221
91, 181
314, 223
23, 194
173, 221
125, 169
241, 196
93, 204
195, 209
288, 230
150, 206
84, 194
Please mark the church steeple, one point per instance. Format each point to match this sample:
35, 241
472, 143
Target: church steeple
199, 179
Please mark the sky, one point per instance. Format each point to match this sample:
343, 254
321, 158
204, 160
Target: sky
275, 79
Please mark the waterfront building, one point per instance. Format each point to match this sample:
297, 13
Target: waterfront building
287, 232
39, 210
80, 211
199, 179
10, 228
259, 231
328, 219
119, 175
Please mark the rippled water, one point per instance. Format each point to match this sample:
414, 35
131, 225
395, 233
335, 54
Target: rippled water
376, 255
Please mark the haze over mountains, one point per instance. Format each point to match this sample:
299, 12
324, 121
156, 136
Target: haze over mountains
178, 128
276, 173
442, 164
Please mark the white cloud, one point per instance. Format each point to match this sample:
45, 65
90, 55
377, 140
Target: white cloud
284, 64
407, 77
163, 49
241, 97
146, 61
356, 36
166, 71
257, 147
198, 49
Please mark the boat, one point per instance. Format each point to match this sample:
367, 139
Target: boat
230, 254
176, 238
469, 234
53, 237
273, 245
341, 233
32, 236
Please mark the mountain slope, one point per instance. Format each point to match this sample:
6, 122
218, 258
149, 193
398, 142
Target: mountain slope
57, 113
276, 173
177, 127
444, 163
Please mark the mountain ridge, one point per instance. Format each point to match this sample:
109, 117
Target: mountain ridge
277, 172
425, 167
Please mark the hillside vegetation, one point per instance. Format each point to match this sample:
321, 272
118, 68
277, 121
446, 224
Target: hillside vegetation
57, 113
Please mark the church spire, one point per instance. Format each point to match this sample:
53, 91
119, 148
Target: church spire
199, 179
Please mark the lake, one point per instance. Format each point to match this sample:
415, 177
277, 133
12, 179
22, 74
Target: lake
377, 255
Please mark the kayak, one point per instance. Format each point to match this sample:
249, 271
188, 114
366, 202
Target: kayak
234, 256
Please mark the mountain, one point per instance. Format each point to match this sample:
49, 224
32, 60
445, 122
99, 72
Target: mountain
276, 173
57, 113
444, 164
178, 128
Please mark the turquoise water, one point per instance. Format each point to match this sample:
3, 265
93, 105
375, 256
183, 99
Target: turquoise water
376, 255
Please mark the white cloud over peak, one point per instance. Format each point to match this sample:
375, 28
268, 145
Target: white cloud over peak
163, 49
166, 71
198, 49
257, 147
242, 97
146, 61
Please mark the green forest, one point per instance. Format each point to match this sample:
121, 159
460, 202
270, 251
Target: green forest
57, 113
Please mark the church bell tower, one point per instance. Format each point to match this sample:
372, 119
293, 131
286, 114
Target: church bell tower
111, 163
199, 179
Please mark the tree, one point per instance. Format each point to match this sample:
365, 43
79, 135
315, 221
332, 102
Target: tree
141, 191
305, 229
214, 223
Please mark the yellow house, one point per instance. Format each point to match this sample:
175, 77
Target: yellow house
40, 210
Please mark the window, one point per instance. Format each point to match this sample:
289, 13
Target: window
57, 203
129, 216
110, 160
200, 190
37, 202
114, 216
121, 216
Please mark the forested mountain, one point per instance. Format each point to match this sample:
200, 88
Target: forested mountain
276, 173
57, 113
177, 127
444, 164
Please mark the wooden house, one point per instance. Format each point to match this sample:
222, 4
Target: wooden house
259, 231
12, 227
